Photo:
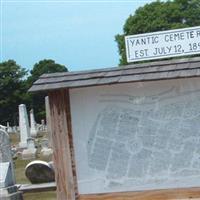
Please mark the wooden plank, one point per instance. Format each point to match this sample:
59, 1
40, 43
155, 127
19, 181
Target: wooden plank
125, 72
73, 73
59, 110
70, 78
108, 80
31, 188
195, 65
173, 74
114, 73
198, 72
184, 70
90, 78
136, 65
71, 144
123, 79
170, 194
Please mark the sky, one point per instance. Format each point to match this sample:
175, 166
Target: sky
78, 34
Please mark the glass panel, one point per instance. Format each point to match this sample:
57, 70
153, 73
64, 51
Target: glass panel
137, 136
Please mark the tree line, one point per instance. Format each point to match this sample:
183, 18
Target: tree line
14, 84
156, 16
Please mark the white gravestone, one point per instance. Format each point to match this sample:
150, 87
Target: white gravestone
6, 178
48, 120
9, 129
3, 127
43, 127
46, 152
33, 130
44, 143
14, 128
8, 190
5, 149
30, 152
30, 143
24, 126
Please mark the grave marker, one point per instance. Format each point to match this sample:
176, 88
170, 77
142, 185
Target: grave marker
39, 172
5, 150
8, 190
6, 178
46, 151
9, 129
24, 126
48, 120
33, 129
30, 152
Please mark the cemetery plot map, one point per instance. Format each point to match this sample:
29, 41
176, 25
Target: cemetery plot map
138, 141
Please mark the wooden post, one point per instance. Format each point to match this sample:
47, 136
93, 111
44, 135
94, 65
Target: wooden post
62, 145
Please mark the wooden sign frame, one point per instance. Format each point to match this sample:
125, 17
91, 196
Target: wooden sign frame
64, 157
58, 86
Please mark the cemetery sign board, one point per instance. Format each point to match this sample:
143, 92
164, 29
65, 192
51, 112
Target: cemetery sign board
126, 133
164, 44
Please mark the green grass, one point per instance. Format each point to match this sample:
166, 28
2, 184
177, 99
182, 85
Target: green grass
21, 178
14, 138
20, 171
40, 196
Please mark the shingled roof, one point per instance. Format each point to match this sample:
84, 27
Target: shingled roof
161, 70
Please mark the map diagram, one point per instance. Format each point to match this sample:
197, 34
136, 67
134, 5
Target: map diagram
147, 140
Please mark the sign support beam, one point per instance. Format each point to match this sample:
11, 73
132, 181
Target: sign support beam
65, 174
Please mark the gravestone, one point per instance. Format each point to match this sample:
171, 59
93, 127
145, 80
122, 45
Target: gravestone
5, 149
46, 152
30, 152
9, 128
51, 164
24, 126
33, 129
14, 128
30, 143
3, 127
8, 189
48, 120
43, 126
44, 143
39, 172
6, 178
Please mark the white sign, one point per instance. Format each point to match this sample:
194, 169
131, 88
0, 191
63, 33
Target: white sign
131, 137
165, 44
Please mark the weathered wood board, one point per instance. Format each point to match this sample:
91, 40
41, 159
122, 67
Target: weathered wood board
173, 194
161, 70
62, 146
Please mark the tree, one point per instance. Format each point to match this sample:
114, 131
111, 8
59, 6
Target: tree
14, 86
12, 89
37, 99
43, 67
159, 16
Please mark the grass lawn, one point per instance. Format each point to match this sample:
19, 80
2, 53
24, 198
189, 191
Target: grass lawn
40, 196
21, 178
20, 171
